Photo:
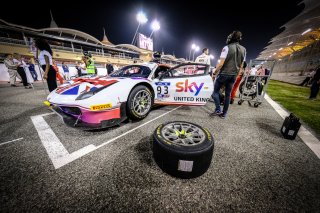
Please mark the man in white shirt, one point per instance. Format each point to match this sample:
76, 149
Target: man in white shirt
204, 57
253, 70
20, 69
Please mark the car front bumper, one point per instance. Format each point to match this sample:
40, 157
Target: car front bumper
86, 119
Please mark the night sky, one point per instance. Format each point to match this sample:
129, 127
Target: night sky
181, 23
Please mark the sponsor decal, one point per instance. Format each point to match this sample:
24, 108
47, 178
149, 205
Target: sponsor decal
208, 133
162, 83
160, 96
101, 106
186, 87
205, 87
190, 99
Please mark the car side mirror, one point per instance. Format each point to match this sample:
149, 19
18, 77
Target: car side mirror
161, 76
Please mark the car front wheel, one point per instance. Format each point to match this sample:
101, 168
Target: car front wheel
139, 103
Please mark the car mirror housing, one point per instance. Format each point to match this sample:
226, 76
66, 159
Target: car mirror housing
161, 76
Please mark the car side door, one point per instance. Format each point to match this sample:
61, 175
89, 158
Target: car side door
185, 84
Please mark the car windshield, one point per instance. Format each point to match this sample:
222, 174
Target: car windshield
132, 71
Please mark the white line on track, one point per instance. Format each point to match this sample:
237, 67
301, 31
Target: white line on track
18, 139
310, 140
58, 154
109, 141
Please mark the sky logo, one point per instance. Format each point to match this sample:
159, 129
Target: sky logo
185, 87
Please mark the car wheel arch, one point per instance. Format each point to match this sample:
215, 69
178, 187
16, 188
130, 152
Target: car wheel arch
147, 85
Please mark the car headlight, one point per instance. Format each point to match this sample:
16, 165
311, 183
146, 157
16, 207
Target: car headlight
92, 93
85, 95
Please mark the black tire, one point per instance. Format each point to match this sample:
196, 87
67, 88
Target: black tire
239, 102
255, 105
242, 89
182, 161
131, 112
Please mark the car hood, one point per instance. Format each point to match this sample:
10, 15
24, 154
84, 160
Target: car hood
67, 93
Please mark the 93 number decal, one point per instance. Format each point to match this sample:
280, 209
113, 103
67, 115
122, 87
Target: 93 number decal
164, 90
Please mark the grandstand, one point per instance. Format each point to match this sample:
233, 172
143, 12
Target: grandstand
297, 48
69, 44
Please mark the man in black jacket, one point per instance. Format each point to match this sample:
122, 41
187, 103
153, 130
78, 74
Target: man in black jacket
315, 84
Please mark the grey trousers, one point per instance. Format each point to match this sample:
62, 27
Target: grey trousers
13, 75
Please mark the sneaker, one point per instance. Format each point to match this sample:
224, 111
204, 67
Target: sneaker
216, 113
223, 116
13, 85
231, 101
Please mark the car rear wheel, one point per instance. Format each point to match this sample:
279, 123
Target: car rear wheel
139, 103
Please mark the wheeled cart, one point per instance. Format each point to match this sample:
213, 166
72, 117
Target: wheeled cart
255, 82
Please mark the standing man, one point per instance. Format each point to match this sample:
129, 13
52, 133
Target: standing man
12, 69
315, 84
231, 60
66, 71
20, 69
204, 57
89, 64
109, 68
32, 70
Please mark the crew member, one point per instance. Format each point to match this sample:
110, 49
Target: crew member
231, 60
204, 58
89, 64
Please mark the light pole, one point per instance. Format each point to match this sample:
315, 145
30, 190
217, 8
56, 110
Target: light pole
196, 49
155, 26
142, 19
193, 46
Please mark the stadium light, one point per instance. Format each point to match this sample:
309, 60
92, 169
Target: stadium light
308, 30
290, 43
193, 46
142, 19
155, 26
211, 57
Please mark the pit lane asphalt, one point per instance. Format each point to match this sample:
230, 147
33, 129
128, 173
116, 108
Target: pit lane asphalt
253, 168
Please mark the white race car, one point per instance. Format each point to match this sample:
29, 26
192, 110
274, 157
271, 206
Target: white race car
101, 102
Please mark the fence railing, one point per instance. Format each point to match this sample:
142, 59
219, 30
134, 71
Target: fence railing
97, 52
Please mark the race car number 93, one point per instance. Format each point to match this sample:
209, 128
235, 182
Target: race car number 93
162, 90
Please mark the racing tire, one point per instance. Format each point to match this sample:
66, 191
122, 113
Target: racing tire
182, 160
247, 91
139, 103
